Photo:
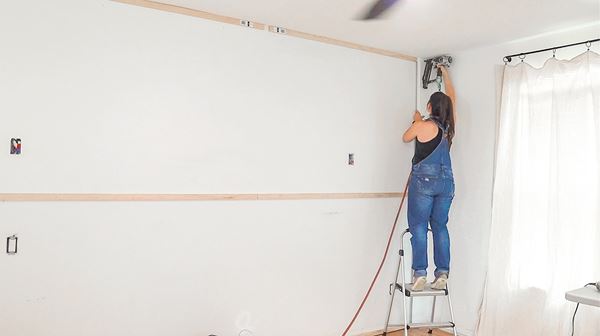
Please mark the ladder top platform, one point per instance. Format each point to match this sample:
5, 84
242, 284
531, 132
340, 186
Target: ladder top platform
427, 291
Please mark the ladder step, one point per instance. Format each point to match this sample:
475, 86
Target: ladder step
427, 291
438, 325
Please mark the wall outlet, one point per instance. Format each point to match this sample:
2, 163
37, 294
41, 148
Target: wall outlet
12, 244
15, 146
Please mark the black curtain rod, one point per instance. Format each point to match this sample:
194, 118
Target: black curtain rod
508, 58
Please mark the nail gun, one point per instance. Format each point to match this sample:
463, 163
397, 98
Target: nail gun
444, 60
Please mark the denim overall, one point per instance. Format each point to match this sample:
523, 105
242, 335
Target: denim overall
430, 195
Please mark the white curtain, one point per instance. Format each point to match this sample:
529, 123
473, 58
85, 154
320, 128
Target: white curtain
545, 235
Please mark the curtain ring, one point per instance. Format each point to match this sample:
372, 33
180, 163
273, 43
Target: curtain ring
588, 44
521, 57
554, 53
506, 60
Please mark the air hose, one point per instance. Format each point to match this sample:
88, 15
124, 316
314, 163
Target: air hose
387, 248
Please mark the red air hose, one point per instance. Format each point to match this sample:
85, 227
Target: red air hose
387, 248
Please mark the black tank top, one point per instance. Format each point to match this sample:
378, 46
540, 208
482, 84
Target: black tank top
424, 149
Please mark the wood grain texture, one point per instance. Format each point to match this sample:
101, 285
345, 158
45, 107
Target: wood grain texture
261, 26
48, 197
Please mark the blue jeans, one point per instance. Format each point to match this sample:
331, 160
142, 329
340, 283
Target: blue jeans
429, 200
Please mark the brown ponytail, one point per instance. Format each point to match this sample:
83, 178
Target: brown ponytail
441, 110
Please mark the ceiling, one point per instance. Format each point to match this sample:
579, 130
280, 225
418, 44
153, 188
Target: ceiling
415, 27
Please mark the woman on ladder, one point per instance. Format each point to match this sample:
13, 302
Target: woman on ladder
431, 187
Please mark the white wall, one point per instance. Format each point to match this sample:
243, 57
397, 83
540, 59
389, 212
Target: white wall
185, 105
114, 98
476, 74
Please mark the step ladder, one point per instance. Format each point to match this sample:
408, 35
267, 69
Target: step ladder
408, 295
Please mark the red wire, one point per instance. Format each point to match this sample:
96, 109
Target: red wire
387, 248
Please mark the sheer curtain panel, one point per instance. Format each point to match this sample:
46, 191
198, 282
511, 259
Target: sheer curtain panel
545, 235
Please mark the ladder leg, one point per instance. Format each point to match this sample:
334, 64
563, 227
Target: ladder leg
430, 331
404, 288
393, 292
451, 312
404, 304
410, 311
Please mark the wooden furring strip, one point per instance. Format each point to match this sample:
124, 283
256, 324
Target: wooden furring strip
189, 12
261, 26
34, 197
351, 45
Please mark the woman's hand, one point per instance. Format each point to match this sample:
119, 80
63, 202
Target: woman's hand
411, 132
443, 69
417, 116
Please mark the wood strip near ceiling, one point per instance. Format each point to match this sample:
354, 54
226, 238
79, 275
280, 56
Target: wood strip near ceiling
189, 12
261, 26
47, 197
351, 45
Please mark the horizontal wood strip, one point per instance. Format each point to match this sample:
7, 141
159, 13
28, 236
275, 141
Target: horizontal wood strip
261, 26
35, 197
189, 12
351, 45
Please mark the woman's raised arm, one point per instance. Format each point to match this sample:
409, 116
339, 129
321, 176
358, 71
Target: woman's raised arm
450, 92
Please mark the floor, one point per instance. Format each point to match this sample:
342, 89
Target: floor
421, 332
414, 332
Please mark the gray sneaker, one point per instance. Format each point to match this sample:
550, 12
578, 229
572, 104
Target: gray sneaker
440, 282
419, 283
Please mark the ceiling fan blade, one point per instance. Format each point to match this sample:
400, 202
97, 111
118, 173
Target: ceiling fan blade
379, 8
